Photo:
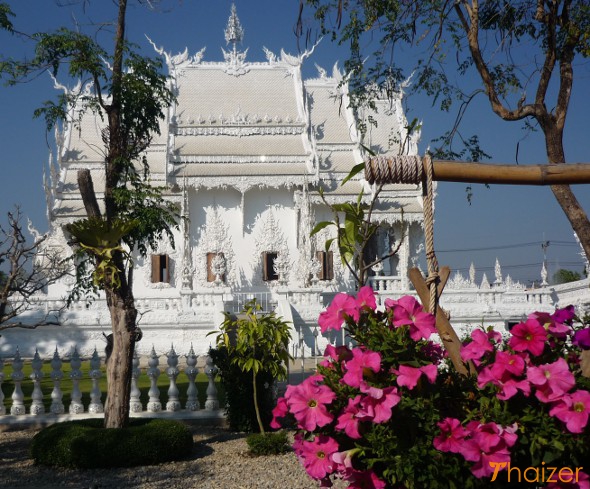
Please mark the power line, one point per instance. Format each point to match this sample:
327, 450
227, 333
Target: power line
509, 246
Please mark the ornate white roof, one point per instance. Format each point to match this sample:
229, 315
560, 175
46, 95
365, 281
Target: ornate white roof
259, 122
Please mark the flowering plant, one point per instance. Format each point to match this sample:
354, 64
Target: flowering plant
391, 412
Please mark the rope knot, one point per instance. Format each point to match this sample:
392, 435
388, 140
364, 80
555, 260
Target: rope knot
432, 278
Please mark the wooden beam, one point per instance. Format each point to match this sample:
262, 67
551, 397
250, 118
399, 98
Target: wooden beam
455, 171
488, 173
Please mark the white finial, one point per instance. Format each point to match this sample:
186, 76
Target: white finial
472, 273
234, 32
544, 276
498, 273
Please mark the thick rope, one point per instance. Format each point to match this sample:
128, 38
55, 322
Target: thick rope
399, 169
428, 193
412, 170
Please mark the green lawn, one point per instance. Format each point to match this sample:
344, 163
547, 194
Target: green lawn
86, 385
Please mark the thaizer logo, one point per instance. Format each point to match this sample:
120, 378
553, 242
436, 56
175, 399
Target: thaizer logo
543, 474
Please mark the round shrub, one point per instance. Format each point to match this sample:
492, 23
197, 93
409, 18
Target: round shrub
87, 444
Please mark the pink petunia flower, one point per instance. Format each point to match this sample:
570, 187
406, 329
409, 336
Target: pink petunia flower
335, 354
552, 380
343, 460
342, 307
582, 338
317, 456
349, 420
476, 442
409, 376
557, 328
505, 362
280, 411
573, 409
407, 311
379, 409
363, 480
479, 345
565, 315
508, 385
362, 361
452, 436
307, 401
528, 336
366, 298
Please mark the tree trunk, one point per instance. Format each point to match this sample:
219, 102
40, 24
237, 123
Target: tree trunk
119, 364
563, 193
256, 408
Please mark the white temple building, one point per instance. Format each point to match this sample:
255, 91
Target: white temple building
244, 152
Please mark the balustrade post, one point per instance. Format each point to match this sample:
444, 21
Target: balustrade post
191, 371
134, 401
57, 406
95, 405
2, 407
212, 403
37, 406
172, 372
76, 406
154, 404
17, 376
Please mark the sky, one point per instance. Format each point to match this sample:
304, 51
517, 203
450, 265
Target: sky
509, 223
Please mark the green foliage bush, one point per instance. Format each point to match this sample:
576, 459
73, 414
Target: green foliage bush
86, 444
268, 443
237, 384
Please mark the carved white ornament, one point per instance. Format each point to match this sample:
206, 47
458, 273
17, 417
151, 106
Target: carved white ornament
214, 238
268, 237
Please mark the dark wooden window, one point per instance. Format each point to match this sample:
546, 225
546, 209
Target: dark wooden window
268, 269
210, 274
160, 269
326, 260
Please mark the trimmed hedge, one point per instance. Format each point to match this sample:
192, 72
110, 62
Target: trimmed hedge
86, 444
268, 443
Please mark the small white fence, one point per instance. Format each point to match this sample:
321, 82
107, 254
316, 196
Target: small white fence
95, 405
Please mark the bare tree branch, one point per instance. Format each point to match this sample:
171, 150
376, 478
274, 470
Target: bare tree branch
29, 269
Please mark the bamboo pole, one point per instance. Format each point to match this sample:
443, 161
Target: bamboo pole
470, 172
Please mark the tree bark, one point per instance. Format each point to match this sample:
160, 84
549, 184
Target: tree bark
119, 364
563, 193
86, 187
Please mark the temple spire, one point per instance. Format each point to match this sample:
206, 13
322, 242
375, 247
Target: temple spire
234, 33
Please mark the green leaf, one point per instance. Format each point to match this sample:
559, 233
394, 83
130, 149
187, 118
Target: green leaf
321, 225
356, 169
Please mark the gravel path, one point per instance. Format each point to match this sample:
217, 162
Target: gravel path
219, 460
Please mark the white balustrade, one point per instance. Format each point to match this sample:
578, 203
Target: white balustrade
191, 371
57, 406
95, 406
95, 395
212, 403
134, 401
153, 372
37, 406
17, 376
76, 406
172, 372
